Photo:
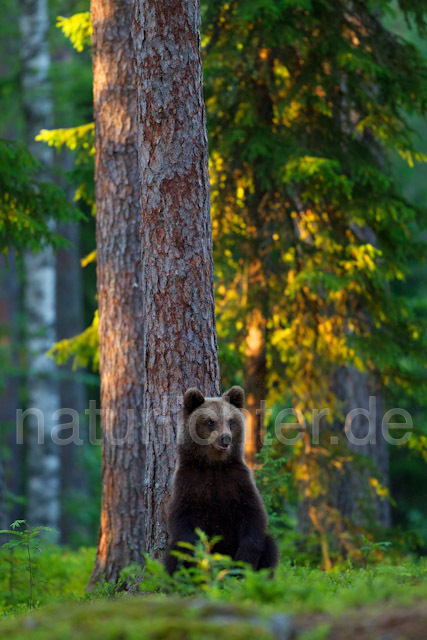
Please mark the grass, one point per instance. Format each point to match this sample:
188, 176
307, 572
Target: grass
204, 603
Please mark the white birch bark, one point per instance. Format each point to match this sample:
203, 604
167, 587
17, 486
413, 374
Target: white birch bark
39, 297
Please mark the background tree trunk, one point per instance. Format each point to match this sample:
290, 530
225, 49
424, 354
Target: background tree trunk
258, 287
72, 391
3, 519
12, 466
349, 491
40, 306
353, 496
120, 297
255, 382
180, 344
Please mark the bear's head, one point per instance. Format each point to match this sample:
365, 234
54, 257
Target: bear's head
213, 431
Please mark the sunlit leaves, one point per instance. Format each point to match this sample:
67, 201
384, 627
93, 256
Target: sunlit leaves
309, 227
298, 123
78, 28
79, 139
83, 348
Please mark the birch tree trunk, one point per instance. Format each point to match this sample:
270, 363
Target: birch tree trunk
42, 394
120, 297
180, 344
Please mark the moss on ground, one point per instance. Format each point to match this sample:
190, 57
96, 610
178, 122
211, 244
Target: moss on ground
154, 618
132, 618
381, 601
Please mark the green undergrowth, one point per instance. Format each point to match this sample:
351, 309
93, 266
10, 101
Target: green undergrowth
245, 608
58, 574
61, 575
300, 590
133, 618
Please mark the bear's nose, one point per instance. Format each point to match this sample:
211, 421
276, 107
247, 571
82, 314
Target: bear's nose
225, 439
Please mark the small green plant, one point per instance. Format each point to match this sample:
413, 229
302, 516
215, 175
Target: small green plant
369, 546
200, 569
27, 538
273, 480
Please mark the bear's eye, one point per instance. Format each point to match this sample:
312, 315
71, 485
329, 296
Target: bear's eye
211, 424
231, 424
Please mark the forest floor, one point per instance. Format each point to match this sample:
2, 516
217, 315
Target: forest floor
382, 602
140, 618
383, 622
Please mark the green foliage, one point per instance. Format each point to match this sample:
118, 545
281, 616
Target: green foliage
27, 205
141, 619
200, 569
296, 589
78, 28
251, 599
311, 230
273, 481
27, 538
79, 140
369, 547
298, 124
83, 348
58, 573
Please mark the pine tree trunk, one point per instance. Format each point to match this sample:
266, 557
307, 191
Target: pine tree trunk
180, 344
120, 296
42, 395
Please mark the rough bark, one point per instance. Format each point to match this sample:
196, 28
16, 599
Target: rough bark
120, 296
42, 389
72, 391
180, 344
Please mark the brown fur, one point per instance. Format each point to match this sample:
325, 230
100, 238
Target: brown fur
213, 488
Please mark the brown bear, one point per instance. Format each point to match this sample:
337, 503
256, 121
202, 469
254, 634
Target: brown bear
213, 488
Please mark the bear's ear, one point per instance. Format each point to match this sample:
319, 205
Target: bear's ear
235, 396
193, 398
